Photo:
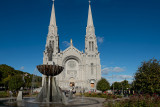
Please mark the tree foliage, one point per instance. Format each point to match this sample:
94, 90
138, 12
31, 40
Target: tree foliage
125, 85
6, 72
103, 85
147, 78
16, 82
9, 76
117, 86
121, 85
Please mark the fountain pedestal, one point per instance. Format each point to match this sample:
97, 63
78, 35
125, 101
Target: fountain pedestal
50, 91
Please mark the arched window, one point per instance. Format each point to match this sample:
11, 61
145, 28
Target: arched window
53, 45
50, 43
92, 69
90, 46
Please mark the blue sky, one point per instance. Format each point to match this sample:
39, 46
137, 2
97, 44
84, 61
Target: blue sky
128, 32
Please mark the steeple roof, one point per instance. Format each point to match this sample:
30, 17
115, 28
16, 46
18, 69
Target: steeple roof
90, 19
53, 17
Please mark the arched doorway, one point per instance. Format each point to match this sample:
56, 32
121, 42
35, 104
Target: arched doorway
71, 73
92, 83
72, 82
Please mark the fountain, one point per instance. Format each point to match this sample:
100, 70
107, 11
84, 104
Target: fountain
50, 94
50, 91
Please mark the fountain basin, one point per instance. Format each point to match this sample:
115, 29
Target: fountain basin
50, 70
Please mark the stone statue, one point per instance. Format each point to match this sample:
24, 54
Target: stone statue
50, 52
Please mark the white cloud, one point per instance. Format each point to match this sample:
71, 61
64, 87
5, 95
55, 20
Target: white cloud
106, 70
118, 69
118, 78
100, 39
67, 44
22, 68
122, 77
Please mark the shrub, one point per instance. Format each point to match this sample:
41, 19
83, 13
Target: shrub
102, 95
4, 94
137, 101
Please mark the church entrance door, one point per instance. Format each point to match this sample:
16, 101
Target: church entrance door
72, 84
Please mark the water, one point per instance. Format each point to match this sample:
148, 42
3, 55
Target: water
34, 81
28, 102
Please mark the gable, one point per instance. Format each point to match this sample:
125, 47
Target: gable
72, 51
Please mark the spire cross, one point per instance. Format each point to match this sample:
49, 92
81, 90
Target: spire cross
89, 1
53, 0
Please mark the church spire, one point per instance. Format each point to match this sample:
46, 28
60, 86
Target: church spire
90, 19
90, 39
52, 26
90, 26
53, 17
52, 43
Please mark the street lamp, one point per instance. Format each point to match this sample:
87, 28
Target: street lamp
122, 88
113, 84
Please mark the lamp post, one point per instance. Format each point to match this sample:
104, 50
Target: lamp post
113, 84
122, 88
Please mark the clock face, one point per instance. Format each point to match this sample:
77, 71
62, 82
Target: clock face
72, 64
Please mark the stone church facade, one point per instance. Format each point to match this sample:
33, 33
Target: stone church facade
82, 70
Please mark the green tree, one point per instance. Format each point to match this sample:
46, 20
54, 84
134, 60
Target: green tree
147, 77
6, 72
0, 78
28, 80
117, 86
16, 82
125, 85
103, 85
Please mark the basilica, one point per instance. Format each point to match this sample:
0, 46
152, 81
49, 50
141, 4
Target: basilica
82, 70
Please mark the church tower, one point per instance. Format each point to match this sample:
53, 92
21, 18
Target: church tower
92, 61
81, 70
90, 39
52, 43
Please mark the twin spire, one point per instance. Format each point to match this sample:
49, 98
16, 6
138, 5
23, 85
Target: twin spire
53, 17
90, 19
